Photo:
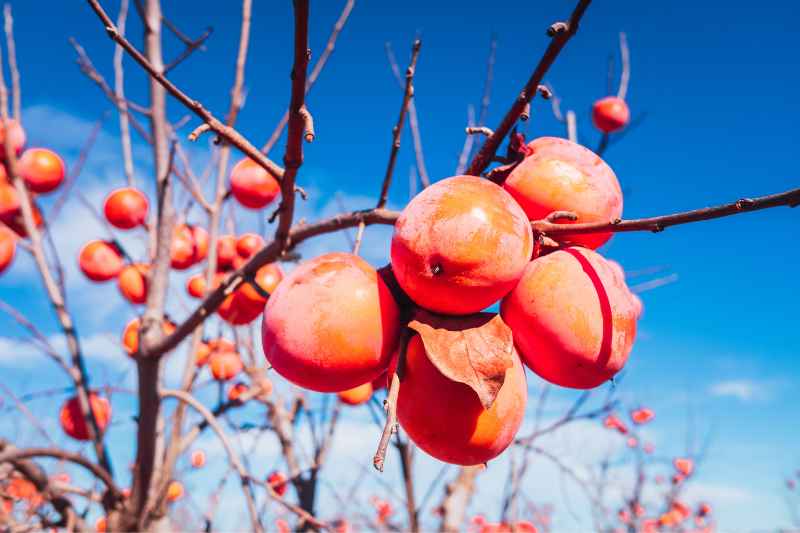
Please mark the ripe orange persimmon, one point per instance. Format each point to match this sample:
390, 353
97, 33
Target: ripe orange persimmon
267, 277
196, 286
72, 421
278, 483
21, 489
252, 186
100, 260
236, 391
642, 415
226, 251
560, 175
101, 525
189, 246
174, 491
13, 134
447, 420
126, 208
573, 318
248, 244
42, 170
460, 245
238, 310
356, 395
8, 247
130, 335
9, 201
132, 282
683, 465
331, 324
225, 365
612, 421
198, 458
610, 114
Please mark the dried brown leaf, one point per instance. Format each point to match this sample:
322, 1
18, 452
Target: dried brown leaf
475, 350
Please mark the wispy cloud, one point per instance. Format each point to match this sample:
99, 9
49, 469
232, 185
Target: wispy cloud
743, 389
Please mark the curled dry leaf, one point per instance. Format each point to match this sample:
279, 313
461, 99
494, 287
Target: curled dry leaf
475, 350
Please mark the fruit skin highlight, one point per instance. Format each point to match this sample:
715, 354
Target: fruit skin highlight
447, 420
560, 175
573, 318
331, 324
460, 245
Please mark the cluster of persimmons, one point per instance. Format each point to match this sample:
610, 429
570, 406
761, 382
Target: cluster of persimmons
334, 324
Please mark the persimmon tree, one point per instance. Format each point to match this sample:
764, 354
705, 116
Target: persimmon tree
519, 225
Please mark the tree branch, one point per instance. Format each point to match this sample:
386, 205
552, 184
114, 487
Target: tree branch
561, 32
789, 198
398, 128
229, 134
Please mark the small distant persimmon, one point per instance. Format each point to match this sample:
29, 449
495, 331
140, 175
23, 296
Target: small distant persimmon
198, 458
277, 480
189, 246
100, 260
236, 391
460, 245
126, 208
71, 417
356, 395
41, 169
101, 525
132, 282
248, 244
642, 415
174, 491
610, 114
130, 335
226, 251
447, 420
225, 365
267, 277
683, 465
332, 324
612, 421
252, 186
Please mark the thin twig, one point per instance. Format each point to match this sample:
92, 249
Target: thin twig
16, 92
315, 72
390, 403
561, 32
119, 94
413, 121
228, 133
398, 128
625, 76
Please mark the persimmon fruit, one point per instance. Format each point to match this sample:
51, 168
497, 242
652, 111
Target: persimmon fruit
126, 208
610, 114
331, 324
225, 365
460, 245
252, 186
13, 134
71, 417
8, 247
357, 395
132, 282
573, 318
560, 175
41, 169
100, 260
447, 420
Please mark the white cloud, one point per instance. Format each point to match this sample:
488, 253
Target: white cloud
743, 389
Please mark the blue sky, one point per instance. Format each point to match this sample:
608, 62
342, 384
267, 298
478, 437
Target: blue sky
717, 350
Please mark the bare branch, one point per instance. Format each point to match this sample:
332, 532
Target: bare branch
226, 132
119, 95
315, 72
625, 77
561, 32
390, 403
16, 93
398, 128
413, 122
789, 198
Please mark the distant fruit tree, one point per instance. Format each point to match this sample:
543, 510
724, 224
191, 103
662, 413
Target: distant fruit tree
491, 271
